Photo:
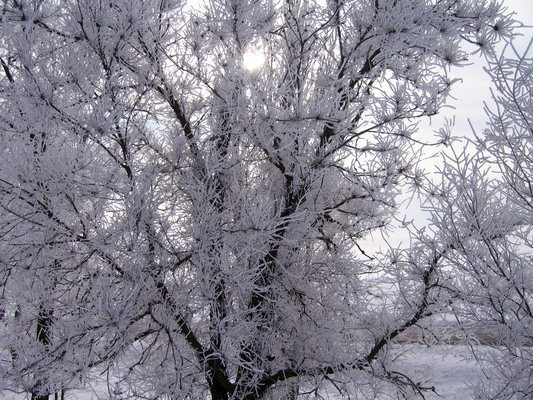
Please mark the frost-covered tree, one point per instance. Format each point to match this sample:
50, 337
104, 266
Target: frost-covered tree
483, 215
194, 225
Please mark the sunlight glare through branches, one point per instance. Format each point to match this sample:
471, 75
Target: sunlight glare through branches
253, 59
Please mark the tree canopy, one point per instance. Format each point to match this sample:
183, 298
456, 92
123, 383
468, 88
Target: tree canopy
195, 226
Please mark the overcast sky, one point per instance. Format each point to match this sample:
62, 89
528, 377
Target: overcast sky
466, 105
475, 87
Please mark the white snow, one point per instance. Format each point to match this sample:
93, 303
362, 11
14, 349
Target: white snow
449, 368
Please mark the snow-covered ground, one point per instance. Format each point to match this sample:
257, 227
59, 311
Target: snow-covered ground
449, 368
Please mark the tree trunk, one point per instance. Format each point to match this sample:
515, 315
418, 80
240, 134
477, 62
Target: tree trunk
218, 392
43, 336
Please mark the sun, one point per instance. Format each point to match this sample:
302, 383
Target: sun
253, 60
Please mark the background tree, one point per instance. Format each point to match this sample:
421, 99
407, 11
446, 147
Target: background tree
199, 224
483, 216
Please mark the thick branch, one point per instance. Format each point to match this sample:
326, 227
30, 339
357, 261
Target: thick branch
421, 312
